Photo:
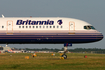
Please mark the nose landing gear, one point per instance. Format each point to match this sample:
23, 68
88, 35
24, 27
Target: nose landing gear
64, 54
65, 50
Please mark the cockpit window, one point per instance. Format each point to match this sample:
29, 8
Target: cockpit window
88, 27
85, 27
92, 27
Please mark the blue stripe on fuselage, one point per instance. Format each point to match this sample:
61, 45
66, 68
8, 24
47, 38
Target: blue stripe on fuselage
50, 38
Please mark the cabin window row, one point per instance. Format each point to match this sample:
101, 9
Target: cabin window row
40, 26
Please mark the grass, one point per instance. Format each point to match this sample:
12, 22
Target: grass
45, 61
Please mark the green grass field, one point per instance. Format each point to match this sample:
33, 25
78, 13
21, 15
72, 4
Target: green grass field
45, 61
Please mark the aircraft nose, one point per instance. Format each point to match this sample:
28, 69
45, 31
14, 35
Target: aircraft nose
100, 36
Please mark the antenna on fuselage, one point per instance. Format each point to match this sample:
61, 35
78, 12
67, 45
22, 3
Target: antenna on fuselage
2, 16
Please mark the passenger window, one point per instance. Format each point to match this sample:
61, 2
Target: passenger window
50, 26
26, 26
29, 26
46, 26
53, 26
19, 26
57, 26
23, 26
2, 26
33, 27
36, 26
61, 27
40, 26
43, 26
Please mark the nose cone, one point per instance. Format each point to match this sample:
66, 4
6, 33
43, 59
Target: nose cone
100, 37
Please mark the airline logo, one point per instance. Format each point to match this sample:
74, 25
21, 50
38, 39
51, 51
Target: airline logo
29, 22
59, 22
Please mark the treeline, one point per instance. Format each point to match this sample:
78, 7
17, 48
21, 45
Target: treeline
86, 50
71, 50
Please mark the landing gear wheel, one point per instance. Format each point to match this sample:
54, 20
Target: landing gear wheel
64, 56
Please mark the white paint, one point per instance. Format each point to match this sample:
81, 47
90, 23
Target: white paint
69, 24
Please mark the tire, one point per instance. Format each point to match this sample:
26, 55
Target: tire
65, 56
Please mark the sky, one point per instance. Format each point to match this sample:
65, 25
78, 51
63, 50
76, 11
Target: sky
91, 11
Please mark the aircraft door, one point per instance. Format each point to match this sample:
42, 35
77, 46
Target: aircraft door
71, 27
10, 27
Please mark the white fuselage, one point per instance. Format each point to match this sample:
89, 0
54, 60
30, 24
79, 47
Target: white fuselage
47, 30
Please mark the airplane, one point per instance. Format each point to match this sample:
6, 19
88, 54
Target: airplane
47, 30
